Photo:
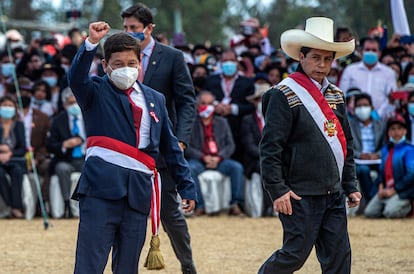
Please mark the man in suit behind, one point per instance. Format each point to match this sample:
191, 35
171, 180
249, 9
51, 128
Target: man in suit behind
163, 69
231, 90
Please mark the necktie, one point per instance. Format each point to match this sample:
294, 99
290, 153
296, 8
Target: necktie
136, 113
77, 151
141, 70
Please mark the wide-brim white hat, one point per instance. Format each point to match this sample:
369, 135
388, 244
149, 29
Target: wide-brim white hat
318, 34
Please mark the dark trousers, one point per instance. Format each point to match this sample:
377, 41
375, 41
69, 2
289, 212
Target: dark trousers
104, 224
319, 221
12, 191
174, 222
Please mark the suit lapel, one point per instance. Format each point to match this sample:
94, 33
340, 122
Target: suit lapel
153, 109
152, 63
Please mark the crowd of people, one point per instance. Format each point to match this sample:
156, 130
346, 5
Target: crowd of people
40, 114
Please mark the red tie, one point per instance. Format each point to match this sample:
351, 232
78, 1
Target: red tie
136, 113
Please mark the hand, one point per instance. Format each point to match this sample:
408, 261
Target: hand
211, 162
283, 204
353, 199
97, 31
5, 157
72, 142
182, 145
388, 192
187, 205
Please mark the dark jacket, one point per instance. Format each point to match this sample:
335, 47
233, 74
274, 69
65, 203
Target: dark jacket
379, 135
294, 154
402, 169
222, 136
251, 135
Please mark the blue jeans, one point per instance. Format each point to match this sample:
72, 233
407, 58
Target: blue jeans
227, 167
368, 188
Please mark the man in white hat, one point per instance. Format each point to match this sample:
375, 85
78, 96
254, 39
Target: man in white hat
306, 154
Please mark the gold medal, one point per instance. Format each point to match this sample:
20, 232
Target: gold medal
330, 127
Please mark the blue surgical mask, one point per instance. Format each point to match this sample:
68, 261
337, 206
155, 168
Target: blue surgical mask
51, 80
38, 102
410, 79
138, 35
370, 58
396, 142
410, 108
74, 109
7, 69
7, 112
229, 68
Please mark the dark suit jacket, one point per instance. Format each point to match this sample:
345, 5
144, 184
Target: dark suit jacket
168, 73
58, 133
242, 88
251, 139
222, 136
19, 147
107, 112
379, 134
38, 138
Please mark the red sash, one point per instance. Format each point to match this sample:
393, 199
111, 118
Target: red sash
306, 83
148, 161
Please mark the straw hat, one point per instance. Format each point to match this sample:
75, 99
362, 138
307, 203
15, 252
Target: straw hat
318, 34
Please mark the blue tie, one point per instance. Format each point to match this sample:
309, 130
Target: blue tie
77, 151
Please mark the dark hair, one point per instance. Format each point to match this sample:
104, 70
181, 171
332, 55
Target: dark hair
363, 96
228, 50
119, 42
47, 88
141, 12
341, 30
369, 39
72, 31
306, 50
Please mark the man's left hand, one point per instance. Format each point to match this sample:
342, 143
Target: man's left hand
187, 205
353, 199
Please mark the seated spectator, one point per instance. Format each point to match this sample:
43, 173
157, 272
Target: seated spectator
41, 98
37, 125
199, 75
210, 147
12, 152
368, 135
67, 144
251, 130
396, 176
274, 74
52, 74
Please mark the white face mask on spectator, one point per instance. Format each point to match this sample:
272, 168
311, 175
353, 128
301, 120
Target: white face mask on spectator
363, 113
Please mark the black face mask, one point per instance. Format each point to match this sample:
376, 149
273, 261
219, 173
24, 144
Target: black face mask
26, 101
199, 81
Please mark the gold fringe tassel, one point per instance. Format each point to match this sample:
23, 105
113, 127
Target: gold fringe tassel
154, 260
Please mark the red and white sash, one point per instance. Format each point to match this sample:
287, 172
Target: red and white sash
322, 114
124, 155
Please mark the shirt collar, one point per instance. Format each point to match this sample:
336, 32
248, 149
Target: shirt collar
322, 87
148, 49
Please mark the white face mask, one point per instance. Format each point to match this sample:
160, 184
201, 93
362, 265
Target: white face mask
123, 78
363, 113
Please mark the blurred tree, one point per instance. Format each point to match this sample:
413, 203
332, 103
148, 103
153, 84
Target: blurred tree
110, 13
17, 12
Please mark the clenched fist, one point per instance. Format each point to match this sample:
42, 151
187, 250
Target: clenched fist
97, 31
